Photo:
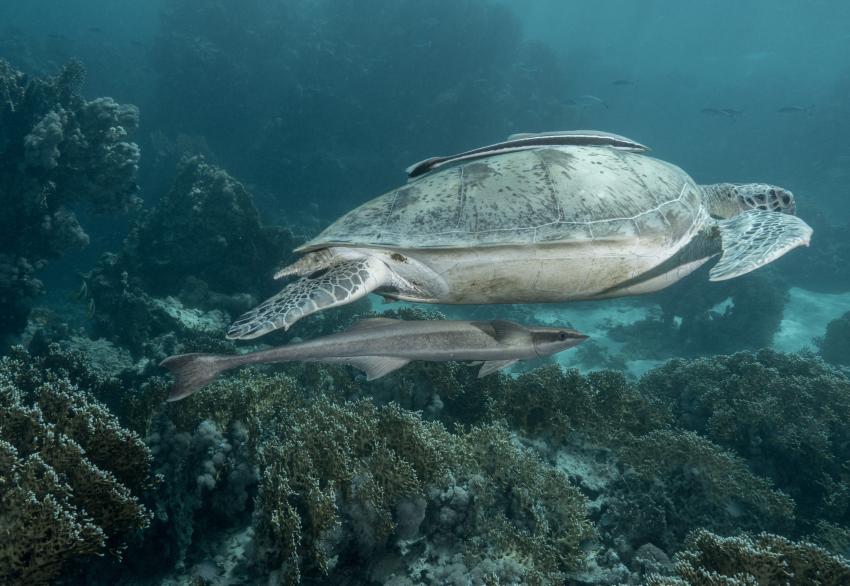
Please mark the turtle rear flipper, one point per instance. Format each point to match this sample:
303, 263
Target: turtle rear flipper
754, 238
342, 282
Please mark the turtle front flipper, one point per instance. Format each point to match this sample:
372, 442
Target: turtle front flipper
754, 238
344, 281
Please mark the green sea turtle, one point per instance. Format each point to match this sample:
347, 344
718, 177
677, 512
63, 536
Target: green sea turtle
538, 218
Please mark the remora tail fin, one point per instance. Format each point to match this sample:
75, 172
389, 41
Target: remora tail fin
192, 372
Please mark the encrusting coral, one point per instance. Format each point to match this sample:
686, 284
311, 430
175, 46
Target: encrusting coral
57, 151
70, 474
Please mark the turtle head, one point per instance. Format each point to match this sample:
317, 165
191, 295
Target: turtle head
549, 340
726, 200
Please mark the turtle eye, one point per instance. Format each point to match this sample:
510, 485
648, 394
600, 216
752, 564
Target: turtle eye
562, 336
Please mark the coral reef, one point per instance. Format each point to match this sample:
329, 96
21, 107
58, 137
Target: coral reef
200, 257
310, 473
835, 344
71, 474
696, 317
57, 151
556, 403
206, 231
300, 477
784, 413
209, 475
705, 486
763, 559
826, 266
669, 480
343, 480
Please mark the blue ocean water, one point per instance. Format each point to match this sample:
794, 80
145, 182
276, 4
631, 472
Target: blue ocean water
160, 161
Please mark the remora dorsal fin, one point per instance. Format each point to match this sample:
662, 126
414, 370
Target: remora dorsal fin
373, 366
365, 324
491, 366
506, 331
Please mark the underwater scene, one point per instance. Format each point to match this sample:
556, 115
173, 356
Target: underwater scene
432, 292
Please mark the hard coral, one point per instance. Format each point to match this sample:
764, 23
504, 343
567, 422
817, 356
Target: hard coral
602, 405
522, 508
835, 344
206, 227
786, 414
56, 150
761, 560
706, 485
347, 467
189, 266
698, 318
71, 475
343, 480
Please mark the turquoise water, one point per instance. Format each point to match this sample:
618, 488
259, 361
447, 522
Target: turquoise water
160, 161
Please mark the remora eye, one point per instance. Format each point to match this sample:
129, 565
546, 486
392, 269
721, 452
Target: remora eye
562, 336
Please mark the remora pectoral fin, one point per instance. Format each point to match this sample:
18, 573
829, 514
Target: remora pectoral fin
754, 238
373, 366
491, 366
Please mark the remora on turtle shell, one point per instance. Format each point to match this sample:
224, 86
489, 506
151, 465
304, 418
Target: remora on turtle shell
529, 140
535, 225
381, 345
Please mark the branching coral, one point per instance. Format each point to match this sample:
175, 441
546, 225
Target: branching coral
660, 481
522, 508
56, 150
761, 560
71, 475
786, 414
354, 462
602, 405
706, 485
349, 479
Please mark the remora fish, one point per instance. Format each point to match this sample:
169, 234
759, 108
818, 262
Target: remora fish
381, 345
796, 109
725, 112
585, 101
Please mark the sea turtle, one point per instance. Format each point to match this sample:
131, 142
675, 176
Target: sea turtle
543, 217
